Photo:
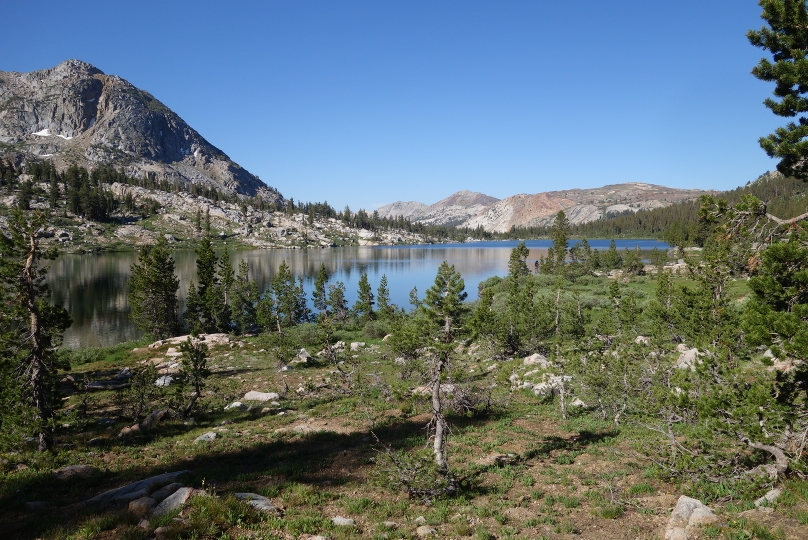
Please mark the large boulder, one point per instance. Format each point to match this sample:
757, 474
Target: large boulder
258, 502
135, 490
142, 507
538, 359
175, 501
206, 437
689, 514
688, 358
260, 396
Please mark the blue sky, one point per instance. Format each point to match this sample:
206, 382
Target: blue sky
363, 103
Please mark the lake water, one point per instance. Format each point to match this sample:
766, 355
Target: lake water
93, 287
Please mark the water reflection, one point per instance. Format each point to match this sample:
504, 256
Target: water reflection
93, 288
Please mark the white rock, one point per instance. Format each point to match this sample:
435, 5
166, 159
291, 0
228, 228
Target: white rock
153, 419
537, 359
260, 396
165, 380
236, 405
687, 357
688, 514
578, 403
343, 521
206, 437
769, 497
550, 385
425, 530
357, 345
176, 500
426, 390
258, 501
134, 490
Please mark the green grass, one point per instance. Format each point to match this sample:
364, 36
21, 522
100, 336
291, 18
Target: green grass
612, 511
316, 476
643, 488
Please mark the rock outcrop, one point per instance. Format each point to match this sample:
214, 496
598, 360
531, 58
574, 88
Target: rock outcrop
75, 113
688, 516
473, 210
453, 210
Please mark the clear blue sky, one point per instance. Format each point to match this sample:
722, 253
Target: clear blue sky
368, 102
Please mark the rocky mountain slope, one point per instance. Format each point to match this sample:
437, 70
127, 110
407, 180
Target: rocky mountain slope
474, 210
453, 210
176, 220
74, 113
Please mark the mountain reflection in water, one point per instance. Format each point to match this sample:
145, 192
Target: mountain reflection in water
93, 287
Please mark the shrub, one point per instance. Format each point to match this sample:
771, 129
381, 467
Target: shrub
376, 329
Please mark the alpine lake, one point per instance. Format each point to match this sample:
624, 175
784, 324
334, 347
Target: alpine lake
94, 287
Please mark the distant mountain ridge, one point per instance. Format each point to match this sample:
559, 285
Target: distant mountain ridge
473, 210
75, 113
453, 210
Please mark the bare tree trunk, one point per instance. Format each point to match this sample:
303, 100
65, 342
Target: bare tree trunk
191, 402
781, 460
36, 370
791, 221
441, 428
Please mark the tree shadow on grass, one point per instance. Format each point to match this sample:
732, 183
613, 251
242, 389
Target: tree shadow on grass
549, 445
229, 464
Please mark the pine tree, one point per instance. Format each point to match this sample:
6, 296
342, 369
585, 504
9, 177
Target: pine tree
53, 194
776, 315
245, 299
414, 301
319, 294
385, 308
337, 302
220, 299
611, 260
559, 233
289, 298
443, 306
632, 262
786, 38
199, 315
365, 300
24, 196
153, 292
517, 267
30, 332
581, 255
193, 373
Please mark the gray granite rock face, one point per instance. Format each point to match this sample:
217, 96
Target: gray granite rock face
74, 111
689, 514
176, 500
135, 490
206, 437
142, 507
258, 501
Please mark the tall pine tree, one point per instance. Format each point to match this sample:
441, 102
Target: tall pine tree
153, 292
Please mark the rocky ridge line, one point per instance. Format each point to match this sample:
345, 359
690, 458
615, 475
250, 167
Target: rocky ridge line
76, 114
473, 210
